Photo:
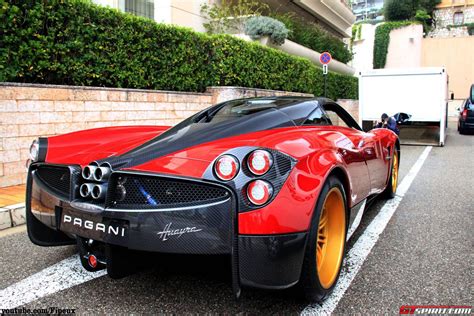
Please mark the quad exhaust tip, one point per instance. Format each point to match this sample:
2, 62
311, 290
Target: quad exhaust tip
94, 172
86, 189
101, 173
88, 172
98, 191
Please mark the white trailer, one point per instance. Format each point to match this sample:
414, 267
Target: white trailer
420, 92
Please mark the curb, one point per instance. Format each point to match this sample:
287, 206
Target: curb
12, 215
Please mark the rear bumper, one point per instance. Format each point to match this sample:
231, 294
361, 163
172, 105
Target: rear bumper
466, 125
272, 261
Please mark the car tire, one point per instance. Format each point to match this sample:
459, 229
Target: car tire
392, 185
320, 272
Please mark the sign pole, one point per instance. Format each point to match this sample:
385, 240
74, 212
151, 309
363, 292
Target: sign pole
325, 86
325, 59
325, 74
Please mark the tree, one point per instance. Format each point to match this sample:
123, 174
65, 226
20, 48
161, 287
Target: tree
429, 5
399, 10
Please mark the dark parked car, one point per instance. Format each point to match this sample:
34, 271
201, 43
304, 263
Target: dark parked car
466, 117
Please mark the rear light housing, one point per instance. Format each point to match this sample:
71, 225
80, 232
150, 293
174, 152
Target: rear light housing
259, 192
259, 162
34, 150
226, 167
464, 114
38, 149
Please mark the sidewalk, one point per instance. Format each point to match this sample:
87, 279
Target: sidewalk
12, 206
12, 195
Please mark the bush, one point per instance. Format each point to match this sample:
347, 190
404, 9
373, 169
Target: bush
313, 36
229, 16
424, 18
259, 26
469, 27
76, 43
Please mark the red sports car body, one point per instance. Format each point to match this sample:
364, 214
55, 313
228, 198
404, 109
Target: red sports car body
257, 179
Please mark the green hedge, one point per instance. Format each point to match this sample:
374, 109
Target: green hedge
76, 43
382, 40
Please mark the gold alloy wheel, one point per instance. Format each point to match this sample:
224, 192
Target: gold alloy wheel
331, 238
395, 172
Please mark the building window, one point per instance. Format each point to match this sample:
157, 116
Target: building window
144, 8
458, 18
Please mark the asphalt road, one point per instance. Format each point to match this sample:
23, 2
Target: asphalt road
424, 256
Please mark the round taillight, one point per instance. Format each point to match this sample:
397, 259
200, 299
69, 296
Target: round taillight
259, 162
226, 167
92, 260
259, 192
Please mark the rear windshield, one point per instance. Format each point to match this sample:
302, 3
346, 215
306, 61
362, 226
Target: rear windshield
469, 105
239, 108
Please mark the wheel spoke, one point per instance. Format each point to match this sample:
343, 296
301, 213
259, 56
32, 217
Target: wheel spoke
319, 258
322, 238
323, 221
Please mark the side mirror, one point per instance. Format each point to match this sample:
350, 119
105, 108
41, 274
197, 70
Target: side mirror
452, 96
458, 109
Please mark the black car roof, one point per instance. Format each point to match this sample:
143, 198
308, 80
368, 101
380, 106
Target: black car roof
200, 128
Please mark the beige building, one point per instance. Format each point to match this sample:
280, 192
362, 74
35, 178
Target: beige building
333, 15
180, 12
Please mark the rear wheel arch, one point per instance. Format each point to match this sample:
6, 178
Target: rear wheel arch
339, 173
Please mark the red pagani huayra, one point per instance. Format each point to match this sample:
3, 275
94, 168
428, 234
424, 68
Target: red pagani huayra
278, 184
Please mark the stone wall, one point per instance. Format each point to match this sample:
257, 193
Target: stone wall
444, 19
28, 111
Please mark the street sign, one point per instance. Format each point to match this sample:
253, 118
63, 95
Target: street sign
325, 58
325, 69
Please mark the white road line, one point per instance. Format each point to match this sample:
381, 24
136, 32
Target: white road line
60, 276
361, 249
